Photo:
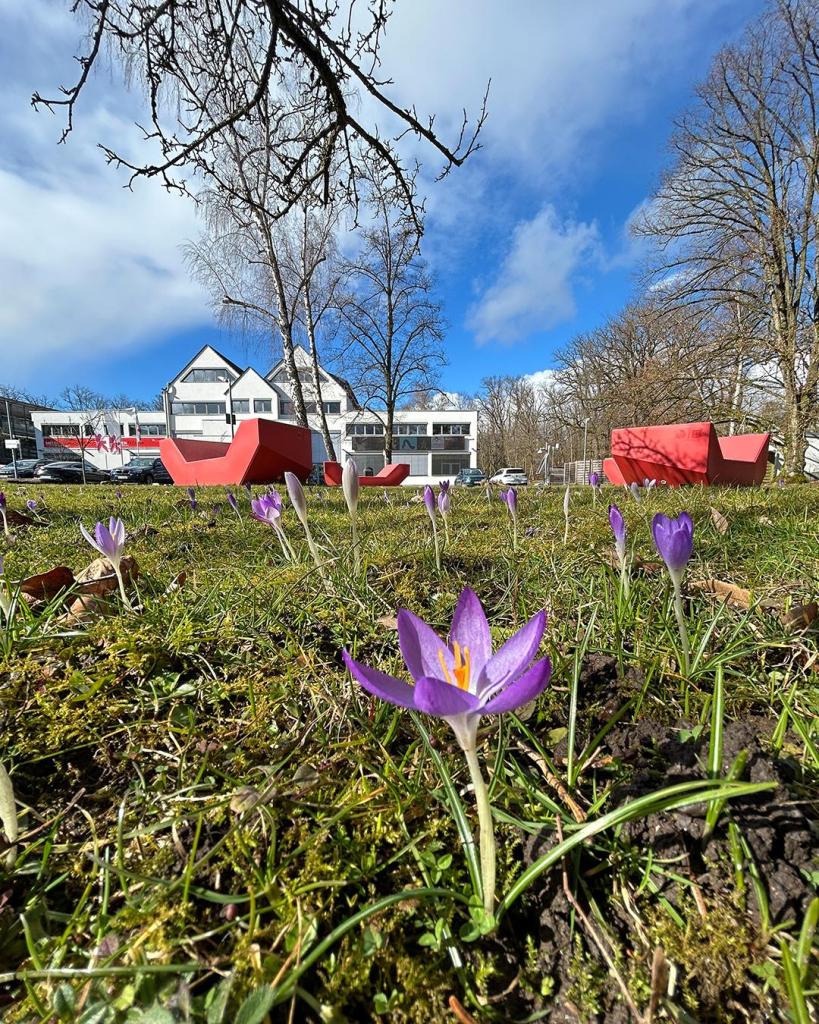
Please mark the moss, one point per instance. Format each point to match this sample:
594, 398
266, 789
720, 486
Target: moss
713, 954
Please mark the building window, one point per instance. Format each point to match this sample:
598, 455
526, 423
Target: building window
241, 405
409, 429
283, 377
332, 408
368, 465
365, 428
147, 429
198, 408
220, 376
450, 428
67, 430
449, 464
418, 464
262, 405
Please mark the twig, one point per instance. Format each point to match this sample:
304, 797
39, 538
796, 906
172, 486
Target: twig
577, 811
457, 1008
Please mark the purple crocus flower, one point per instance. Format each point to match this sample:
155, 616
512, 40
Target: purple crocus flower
109, 542
118, 495
780, 482
461, 680
443, 502
510, 496
618, 527
445, 486
32, 505
267, 510
594, 479
234, 504
387, 497
675, 542
216, 510
635, 492
192, 493
194, 504
248, 488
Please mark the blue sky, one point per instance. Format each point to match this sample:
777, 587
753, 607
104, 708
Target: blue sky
529, 240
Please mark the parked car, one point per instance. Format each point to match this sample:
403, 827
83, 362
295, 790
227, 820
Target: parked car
142, 471
70, 473
510, 477
25, 468
470, 478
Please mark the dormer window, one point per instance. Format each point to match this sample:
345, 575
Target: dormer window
201, 376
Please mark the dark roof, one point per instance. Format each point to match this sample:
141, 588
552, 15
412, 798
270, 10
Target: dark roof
230, 362
348, 388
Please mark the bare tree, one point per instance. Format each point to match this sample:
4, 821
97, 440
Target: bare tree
90, 406
735, 216
215, 67
392, 323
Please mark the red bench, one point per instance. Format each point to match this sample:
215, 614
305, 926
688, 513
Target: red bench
390, 476
686, 453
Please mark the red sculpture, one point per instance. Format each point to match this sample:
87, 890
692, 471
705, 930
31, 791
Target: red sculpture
390, 476
261, 453
686, 453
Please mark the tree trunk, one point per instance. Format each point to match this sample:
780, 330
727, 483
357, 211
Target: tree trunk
388, 430
311, 335
796, 440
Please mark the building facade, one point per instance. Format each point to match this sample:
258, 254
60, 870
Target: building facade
16, 424
211, 396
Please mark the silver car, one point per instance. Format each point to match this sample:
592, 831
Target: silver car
510, 476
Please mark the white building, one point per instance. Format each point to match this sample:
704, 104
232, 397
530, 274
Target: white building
435, 444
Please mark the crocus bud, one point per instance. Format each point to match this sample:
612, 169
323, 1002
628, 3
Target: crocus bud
566, 501
349, 485
635, 492
429, 501
511, 499
297, 496
443, 502
618, 526
594, 479
191, 493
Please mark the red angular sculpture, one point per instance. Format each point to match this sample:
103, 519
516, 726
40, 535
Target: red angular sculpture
261, 453
686, 453
390, 476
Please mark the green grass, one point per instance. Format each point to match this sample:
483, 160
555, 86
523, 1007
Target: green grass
217, 823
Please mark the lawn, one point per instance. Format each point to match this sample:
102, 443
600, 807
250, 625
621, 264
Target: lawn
218, 824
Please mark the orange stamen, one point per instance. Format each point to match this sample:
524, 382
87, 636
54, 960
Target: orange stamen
460, 669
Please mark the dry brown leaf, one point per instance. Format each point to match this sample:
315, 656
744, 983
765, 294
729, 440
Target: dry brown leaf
800, 616
719, 520
99, 577
387, 621
737, 596
46, 585
178, 582
21, 519
86, 608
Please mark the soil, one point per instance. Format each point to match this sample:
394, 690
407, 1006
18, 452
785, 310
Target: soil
647, 756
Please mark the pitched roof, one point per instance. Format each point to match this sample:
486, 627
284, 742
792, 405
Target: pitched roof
230, 363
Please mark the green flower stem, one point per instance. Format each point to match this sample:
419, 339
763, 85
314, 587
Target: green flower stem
356, 551
624, 576
121, 581
437, 546
5, 524
314, 551
487, 833
686, 645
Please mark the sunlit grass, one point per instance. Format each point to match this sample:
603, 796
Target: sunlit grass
212, 811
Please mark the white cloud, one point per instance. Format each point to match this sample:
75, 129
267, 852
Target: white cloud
87, 265
534, 287
541, 380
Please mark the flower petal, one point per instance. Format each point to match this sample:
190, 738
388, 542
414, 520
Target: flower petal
91, 540
436, 697
470, 629
420, 645
379, 684
530, 685
514, 656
